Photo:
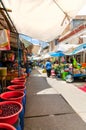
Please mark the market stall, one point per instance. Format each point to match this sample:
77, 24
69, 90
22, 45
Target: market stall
58, 65
10, 58
71, 69
78, 69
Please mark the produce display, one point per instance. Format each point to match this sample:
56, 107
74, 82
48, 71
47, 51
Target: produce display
8, 109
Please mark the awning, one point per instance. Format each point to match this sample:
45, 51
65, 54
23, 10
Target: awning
80, 48
43, 19
45, 56
66, 48
25, 42
36, 58
57, 54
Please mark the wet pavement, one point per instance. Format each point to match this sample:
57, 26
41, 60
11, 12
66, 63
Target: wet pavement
51, 104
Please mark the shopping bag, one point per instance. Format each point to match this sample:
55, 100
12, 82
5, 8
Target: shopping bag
4, 39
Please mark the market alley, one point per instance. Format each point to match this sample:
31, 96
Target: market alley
47, 107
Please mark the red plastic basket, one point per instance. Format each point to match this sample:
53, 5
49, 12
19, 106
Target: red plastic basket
13, 96
18, 82
5, 126
20, 78
17, 87
13, 117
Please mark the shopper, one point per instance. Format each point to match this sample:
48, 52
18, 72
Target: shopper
48, 66
27, 66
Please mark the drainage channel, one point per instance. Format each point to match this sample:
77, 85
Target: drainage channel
59, 114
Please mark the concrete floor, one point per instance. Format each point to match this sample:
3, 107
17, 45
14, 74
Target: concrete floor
47, 107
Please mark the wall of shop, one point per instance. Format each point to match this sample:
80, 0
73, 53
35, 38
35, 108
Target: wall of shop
52, 46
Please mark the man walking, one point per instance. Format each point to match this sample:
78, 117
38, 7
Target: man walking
48, 66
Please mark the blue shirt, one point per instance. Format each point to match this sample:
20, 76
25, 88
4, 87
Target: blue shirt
48, 65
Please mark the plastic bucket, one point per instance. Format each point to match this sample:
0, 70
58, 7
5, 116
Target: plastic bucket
17, 82
13, 96
17, 87
20, 79
9, 111
5, 126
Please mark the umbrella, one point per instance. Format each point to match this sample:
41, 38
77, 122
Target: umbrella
80, 48
57, 54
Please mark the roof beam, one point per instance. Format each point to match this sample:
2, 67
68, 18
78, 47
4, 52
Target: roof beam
8, 17
8, 10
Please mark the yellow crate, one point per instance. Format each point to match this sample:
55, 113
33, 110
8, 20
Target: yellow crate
3, 71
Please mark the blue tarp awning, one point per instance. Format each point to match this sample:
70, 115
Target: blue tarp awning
80, 48
57, 54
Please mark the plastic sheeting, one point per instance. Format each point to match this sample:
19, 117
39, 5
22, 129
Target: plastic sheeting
80, 48
45, 56
43, 19
26, 43
4, 40
57, 54
66, 48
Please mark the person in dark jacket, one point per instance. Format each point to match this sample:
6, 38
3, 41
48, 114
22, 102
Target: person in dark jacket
27, 66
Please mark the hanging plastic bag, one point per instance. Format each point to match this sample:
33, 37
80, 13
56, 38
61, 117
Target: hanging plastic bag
4, 39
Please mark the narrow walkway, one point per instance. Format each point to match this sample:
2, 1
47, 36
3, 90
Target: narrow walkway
46, 108
74, 96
